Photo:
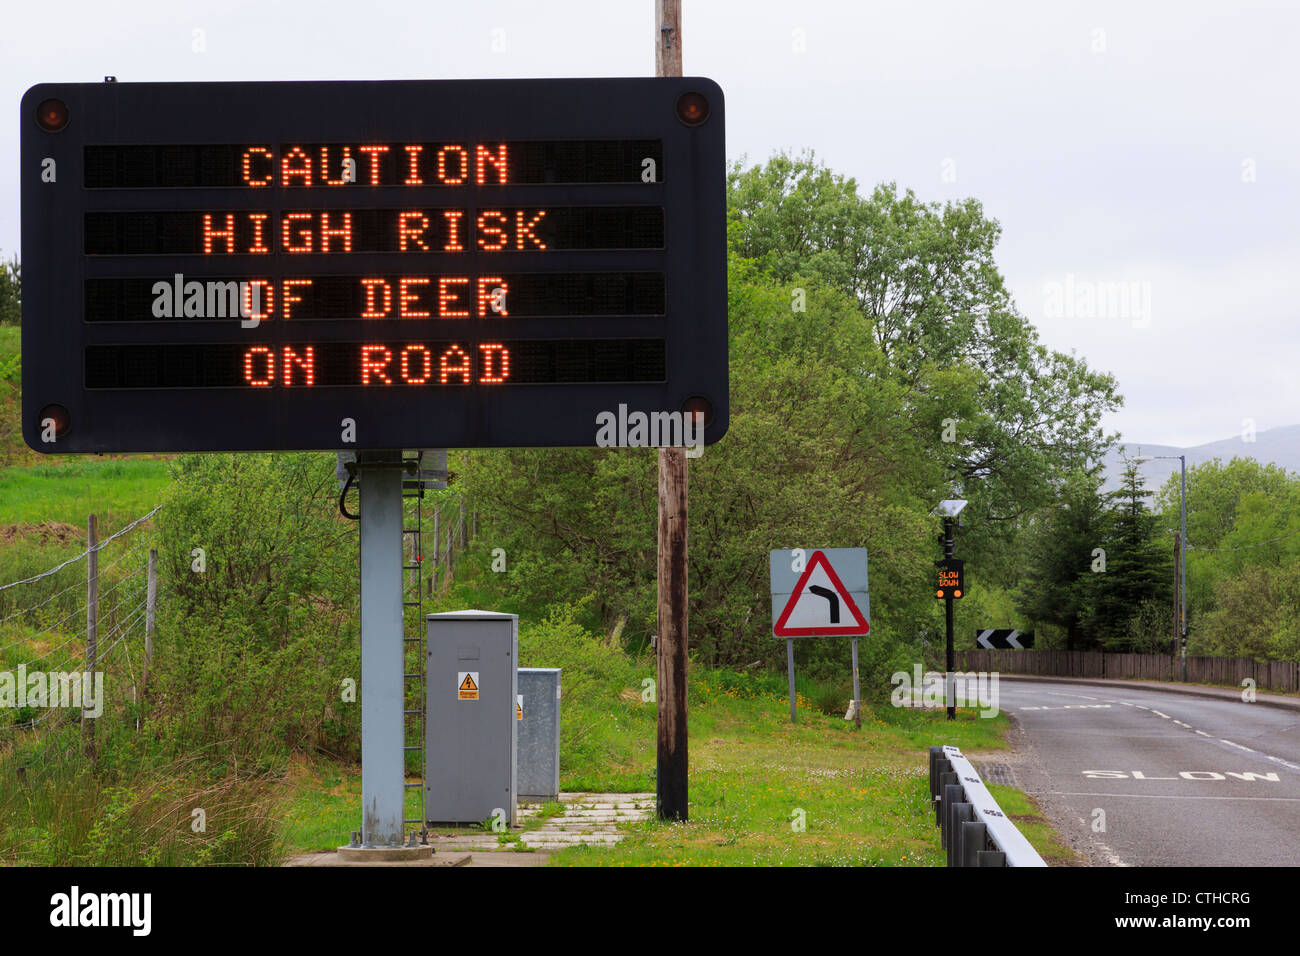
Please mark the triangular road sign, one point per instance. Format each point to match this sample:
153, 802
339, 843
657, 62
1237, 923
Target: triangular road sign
820, 605
468, 683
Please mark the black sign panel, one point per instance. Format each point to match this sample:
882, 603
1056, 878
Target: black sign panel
951, 578
443, 264
994, 638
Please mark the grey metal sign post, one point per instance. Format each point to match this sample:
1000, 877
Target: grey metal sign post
789, 669
382, 791
857, 693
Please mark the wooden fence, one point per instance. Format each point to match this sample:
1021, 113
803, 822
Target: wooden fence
1268, 675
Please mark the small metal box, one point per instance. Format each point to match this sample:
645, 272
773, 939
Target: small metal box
538, 715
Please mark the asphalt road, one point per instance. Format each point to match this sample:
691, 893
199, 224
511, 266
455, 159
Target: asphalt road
1137, 777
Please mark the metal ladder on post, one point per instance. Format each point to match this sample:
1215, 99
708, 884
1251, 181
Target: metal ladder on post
415, 681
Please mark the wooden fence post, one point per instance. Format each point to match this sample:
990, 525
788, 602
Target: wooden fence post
150, 617
92, 627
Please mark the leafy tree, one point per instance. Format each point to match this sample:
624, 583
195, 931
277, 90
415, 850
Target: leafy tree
1256, 613
1243, 531
11, 292
258, 631
1214, 492
924, 279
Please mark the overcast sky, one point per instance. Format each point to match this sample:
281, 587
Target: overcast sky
1142, 158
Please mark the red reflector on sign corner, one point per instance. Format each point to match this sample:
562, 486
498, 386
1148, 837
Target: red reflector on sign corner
692, 109
699, 405
52, 115
56, 414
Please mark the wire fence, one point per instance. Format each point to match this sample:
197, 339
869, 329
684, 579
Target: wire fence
99, 546
47, 622
132, 631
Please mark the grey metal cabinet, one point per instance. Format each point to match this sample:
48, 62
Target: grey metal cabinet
539, 733
471, 734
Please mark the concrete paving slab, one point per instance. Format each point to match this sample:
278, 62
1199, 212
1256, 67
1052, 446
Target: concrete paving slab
332, 858
591, 819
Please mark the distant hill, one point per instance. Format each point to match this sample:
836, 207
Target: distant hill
1277, 446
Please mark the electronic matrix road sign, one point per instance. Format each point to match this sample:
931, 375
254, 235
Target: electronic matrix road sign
952, 578
259, 266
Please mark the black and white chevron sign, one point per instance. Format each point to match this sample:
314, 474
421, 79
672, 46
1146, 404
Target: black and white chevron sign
995, 639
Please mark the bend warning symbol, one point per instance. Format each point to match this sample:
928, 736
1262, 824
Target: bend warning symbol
820, 605
467, 685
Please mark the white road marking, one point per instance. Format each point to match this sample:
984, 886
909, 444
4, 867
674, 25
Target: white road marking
1158, 714
1204, 734
1285, 763
1238, 746
1155, 796
1181, 724
1141, 707
1111, 857
1069, 707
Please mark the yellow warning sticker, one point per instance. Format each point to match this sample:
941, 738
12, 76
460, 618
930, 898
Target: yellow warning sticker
467, 685
519, 707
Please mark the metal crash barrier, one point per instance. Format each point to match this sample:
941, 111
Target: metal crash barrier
972, 828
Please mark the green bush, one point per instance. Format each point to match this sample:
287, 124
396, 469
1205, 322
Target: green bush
254, 648
11, 291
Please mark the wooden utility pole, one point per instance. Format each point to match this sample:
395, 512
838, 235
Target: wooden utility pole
668, 37
92, 629
671, 644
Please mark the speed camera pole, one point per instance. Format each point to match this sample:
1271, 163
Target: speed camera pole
948, 689
671, 644
951, 585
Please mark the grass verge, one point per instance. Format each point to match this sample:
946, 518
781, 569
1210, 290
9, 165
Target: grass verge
1021, 809
763, 791
59, 491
